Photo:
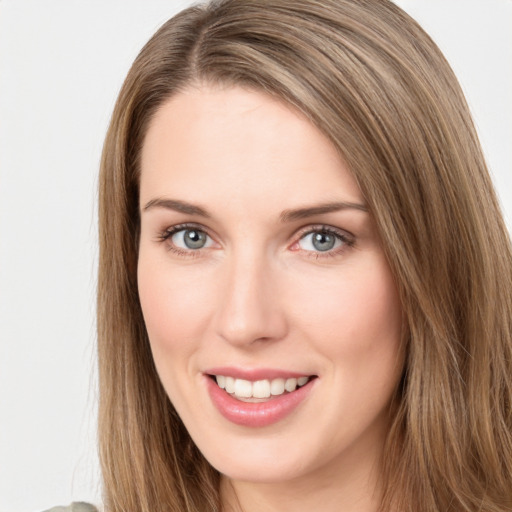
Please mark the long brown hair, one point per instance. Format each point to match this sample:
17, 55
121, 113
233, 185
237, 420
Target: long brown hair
370, 78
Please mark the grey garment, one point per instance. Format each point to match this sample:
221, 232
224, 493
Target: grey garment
77, 506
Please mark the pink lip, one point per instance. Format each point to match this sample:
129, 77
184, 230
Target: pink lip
254, 374
261, 414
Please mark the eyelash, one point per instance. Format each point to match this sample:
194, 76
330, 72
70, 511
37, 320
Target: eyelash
167, 234
347, 240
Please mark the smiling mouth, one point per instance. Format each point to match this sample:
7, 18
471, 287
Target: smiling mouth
260, 390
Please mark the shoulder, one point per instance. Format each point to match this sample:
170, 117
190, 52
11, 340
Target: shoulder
77, 506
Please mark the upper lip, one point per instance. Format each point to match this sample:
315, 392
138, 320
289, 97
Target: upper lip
254, 374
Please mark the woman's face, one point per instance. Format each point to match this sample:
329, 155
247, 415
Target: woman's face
260, 266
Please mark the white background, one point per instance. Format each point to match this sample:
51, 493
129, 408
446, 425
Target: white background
62, 63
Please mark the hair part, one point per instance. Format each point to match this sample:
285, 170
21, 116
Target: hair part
370, 78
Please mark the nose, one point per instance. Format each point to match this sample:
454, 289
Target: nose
250, 308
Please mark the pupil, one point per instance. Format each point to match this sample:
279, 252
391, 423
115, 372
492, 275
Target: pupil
195, 239
323, 241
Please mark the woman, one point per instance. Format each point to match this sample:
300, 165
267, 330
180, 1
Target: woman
305, 281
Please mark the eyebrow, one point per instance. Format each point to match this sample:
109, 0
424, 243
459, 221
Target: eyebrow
177, 206
303, 213
286, 215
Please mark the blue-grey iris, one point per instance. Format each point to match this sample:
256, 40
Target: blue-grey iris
323, 241
194, 239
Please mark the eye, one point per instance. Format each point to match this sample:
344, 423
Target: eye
190, 239
322, 240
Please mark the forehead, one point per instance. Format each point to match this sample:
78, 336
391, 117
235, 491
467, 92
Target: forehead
210, 143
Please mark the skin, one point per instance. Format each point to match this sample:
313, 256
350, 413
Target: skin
260, 294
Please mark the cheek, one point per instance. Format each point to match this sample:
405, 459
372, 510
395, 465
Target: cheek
372, 310
355, 322
357, 303
175, 308
355, 319
174, 305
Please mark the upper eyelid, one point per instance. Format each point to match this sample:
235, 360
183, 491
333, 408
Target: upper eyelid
186, 226
313, 228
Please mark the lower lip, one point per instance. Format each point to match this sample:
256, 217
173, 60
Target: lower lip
261, 414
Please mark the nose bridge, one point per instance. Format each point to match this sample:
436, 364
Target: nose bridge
249, 308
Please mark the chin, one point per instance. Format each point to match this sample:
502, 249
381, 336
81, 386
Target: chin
262, 460
263, 472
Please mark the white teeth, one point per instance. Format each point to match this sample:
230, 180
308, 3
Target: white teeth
230, 384
261, 389
242, 388
290, 385
277, 387
302, 380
